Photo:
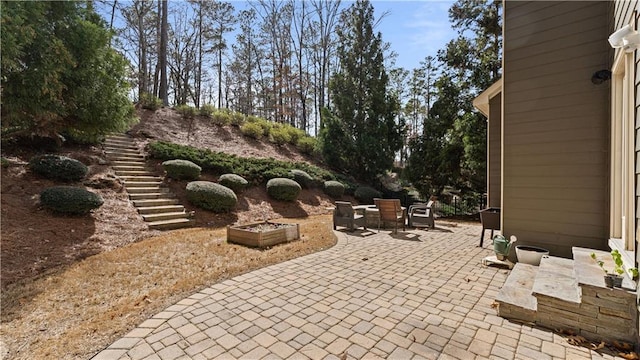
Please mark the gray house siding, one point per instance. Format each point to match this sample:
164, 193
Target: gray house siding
555, 155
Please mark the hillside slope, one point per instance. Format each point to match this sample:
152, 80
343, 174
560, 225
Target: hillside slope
35, 242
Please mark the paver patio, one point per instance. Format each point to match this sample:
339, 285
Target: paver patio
417, 294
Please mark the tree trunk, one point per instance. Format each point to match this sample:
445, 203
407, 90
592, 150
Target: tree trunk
164, 91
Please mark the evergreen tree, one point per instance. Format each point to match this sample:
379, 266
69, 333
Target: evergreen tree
452, 150
59, 74
360, 132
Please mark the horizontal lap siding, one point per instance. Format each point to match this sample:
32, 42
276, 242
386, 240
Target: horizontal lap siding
555, 185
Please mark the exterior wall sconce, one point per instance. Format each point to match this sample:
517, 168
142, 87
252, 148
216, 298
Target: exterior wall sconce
625, 38
600, 76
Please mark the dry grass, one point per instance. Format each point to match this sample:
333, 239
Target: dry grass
77, 312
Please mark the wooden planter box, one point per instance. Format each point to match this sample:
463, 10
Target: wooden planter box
248, 235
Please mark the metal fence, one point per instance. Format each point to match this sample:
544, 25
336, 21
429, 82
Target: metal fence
458, 206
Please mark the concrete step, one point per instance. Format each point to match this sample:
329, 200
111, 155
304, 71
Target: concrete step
589, 273
556, 279
144, 183
146, 189
154, 202
133, 173
170, 224
118, 151
139, 178
138, 167
165, 216
120, 146
126, 158
139, 162
557, 292
147, 196
160, 209
119, 137
515, 299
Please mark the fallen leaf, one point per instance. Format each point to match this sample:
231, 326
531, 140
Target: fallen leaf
494, 305
622, 345
576, 340
629, 356
597, 347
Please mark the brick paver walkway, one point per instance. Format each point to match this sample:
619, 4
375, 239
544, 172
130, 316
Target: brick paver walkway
418, 294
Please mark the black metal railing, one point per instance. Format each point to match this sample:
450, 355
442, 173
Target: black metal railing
454, 206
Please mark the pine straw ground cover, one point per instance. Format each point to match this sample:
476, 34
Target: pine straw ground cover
77, 312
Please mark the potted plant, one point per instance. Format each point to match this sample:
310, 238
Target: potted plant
614, 279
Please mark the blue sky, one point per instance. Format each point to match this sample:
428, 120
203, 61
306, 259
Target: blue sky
415, 29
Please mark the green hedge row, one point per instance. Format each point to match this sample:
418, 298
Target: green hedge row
255, 170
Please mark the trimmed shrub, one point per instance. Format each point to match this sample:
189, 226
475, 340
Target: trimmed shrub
283, 189
237, 119
295, 134
181, 169
252, 130
211, 196
302, 178
335, 189
307, 145
150, 102
58, 167
222, 117
266, 125
279, 135
254, 170
365, 194
187, 112
70, 199
207, 110
234, 182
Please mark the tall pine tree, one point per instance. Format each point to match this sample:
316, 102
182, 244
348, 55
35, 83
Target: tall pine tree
452, 150
361, 134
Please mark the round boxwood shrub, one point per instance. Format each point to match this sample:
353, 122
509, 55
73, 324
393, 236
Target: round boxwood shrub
302, 178
182, 169
211, 196
283, 189
58, 167
365, 194
335, 189
234, 182
70, 199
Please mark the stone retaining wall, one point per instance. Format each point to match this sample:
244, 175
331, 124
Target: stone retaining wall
603, 314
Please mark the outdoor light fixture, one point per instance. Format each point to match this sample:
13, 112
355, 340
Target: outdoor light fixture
625, 38
600, 76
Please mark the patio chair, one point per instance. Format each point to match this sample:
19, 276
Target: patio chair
490, 219
421, 215
345, 215
391, 211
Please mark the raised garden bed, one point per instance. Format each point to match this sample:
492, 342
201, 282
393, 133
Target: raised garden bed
263, 234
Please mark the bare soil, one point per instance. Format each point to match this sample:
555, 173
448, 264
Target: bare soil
73, 284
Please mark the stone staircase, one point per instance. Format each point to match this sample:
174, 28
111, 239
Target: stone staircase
564, 294
154, 202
